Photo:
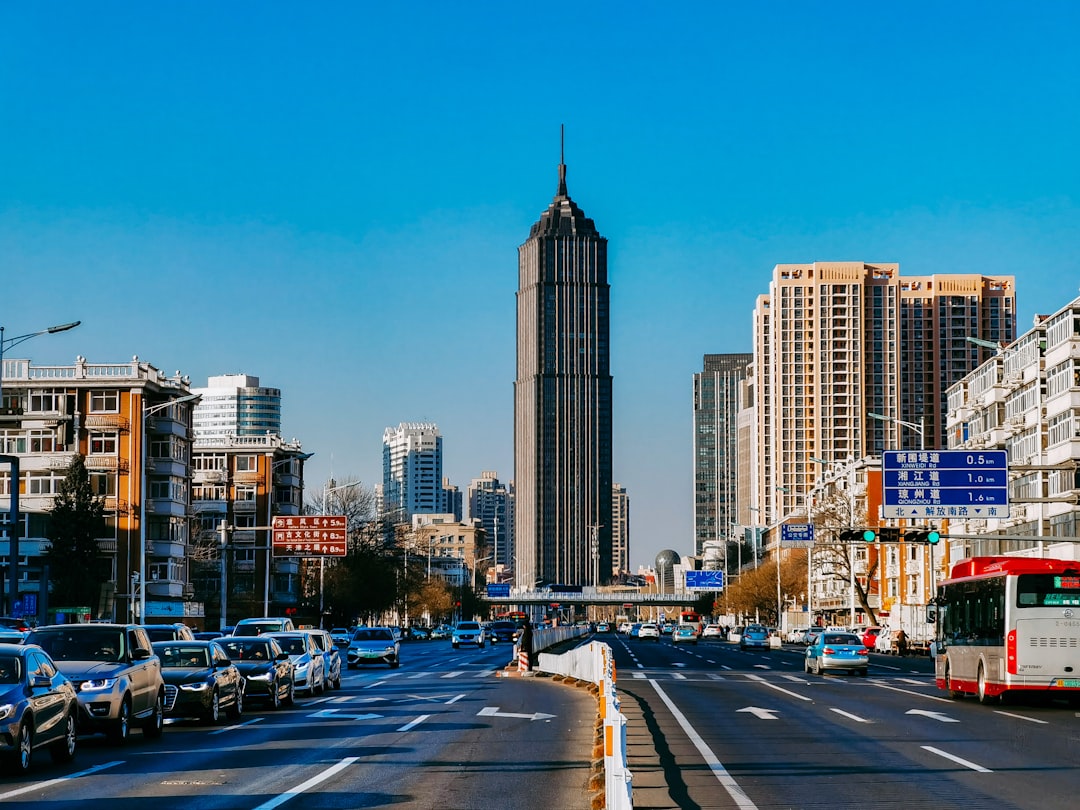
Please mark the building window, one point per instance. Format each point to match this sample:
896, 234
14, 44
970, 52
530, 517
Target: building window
247, 463
245, 492
104, 402
103, 444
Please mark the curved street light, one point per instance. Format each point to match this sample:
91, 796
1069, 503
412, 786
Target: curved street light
7, 343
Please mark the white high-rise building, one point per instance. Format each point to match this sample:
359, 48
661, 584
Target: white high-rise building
235, 405
412, 471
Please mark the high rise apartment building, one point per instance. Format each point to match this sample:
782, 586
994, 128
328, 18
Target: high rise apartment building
620, 530
835, 342
236, 405
412, 472
492, 504
563, 401
716, 471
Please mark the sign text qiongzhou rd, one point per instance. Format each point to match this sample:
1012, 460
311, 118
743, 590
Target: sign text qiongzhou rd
936, 484
310, 535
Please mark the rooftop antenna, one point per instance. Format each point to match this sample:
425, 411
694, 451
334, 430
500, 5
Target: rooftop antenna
562, 161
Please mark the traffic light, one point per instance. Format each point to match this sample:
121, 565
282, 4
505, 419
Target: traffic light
857, 535
889, 535
922, 535
869, 535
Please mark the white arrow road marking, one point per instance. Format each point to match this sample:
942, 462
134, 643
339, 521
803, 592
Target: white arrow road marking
935, 715
333, 714
760, 714
493, 711
850, 716
955, 758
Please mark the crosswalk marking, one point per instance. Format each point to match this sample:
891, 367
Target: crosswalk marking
454, 674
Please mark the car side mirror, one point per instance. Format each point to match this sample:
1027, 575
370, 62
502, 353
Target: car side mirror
282, 656
41, 682
931, 614
140, 654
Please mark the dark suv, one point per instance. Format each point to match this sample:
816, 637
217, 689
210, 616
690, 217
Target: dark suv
502, 630
114, 671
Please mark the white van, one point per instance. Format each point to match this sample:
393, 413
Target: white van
266, 624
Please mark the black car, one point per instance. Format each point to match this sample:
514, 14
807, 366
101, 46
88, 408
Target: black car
269, 674
200, 680
502, 630
38, 707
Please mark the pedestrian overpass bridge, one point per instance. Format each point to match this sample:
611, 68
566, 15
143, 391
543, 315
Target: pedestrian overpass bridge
594, 596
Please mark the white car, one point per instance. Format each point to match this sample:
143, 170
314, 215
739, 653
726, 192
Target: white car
467, 633
712, 631
649, 630
796, 635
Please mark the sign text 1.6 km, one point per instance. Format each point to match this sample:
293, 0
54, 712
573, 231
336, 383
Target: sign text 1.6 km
310, 535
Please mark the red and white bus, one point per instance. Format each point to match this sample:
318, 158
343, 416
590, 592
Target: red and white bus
1008, 624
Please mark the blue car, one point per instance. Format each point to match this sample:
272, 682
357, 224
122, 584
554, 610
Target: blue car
836, 651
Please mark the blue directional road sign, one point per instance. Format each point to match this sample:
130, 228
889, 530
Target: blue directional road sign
796, 535
938, 484
704, 580
498, 589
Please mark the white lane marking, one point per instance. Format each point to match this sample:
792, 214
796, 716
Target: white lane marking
795, 679
1022, 717
454, 674
310, 783
487, 673
417, 675
956, 759
415, 722
455, 699
35, 786
639, 675
941, 718
493, 711
235, 726
850, 716
714, 677
916, 694
787, 692
678, 676
914, 682
719, 771
373, 685
709, 661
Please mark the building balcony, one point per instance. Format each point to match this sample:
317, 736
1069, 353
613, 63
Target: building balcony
167, 466
208, 476
106, 421
167, 548
286, 565
244, 565
162, 424
244, 507
165, 589
244, 535
284, 597
165, 507
248, 477
210, 507
106, 545
108, 463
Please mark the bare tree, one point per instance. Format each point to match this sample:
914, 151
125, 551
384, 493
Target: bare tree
835, 559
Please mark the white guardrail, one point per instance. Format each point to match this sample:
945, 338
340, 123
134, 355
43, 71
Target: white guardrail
594, 663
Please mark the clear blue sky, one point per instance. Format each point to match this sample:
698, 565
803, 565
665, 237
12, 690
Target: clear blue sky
330, 196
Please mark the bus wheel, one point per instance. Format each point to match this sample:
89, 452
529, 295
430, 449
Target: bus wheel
981, 688
953, 694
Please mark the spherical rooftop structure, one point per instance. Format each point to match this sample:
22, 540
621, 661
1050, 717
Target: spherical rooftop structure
667, 558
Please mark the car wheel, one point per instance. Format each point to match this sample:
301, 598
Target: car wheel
290, 696
954, 694
806, 665
275, 695
154, 727
350, 666
863, 672
63, 750
454, 645
121, 727
19, 758
213, 713
395, 664
236, 711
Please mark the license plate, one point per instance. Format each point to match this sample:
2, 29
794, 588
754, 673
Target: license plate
1069, 683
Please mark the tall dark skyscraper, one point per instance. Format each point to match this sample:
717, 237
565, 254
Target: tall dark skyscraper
562, 401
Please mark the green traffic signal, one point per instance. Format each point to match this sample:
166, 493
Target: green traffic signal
869, 535
932, 537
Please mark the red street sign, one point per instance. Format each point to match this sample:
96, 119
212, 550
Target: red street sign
310, 535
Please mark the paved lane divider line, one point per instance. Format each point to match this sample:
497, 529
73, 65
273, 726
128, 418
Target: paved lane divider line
36, 786
956, 759
850, 716
310, 783
1022, 717
453, 674
236, 726
719, 771
455, 698
788, 692
414, 723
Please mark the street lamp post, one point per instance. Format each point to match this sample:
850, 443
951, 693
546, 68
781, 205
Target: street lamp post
270, 525
322, 559
6, 343
144, 454
917, 428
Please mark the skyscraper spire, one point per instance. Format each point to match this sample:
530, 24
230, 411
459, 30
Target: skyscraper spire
562, 162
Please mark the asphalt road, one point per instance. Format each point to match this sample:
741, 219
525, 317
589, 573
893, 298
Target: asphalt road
713, 726
440, 732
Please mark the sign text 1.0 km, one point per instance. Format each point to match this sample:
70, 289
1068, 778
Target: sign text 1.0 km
936, 484
310, 535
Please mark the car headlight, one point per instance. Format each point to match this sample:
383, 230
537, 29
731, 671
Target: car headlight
195, 687
98, 685
389, 650
7, 710
261, 676
301, 666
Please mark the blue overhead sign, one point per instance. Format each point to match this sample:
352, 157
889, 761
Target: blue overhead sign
704, 580
937, 484
796, 535
498, 589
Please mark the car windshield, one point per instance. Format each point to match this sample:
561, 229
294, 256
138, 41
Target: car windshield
840, 638
183, 655
468, 626
247, 650
293, 645
82, 643
373, 634
9, 670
